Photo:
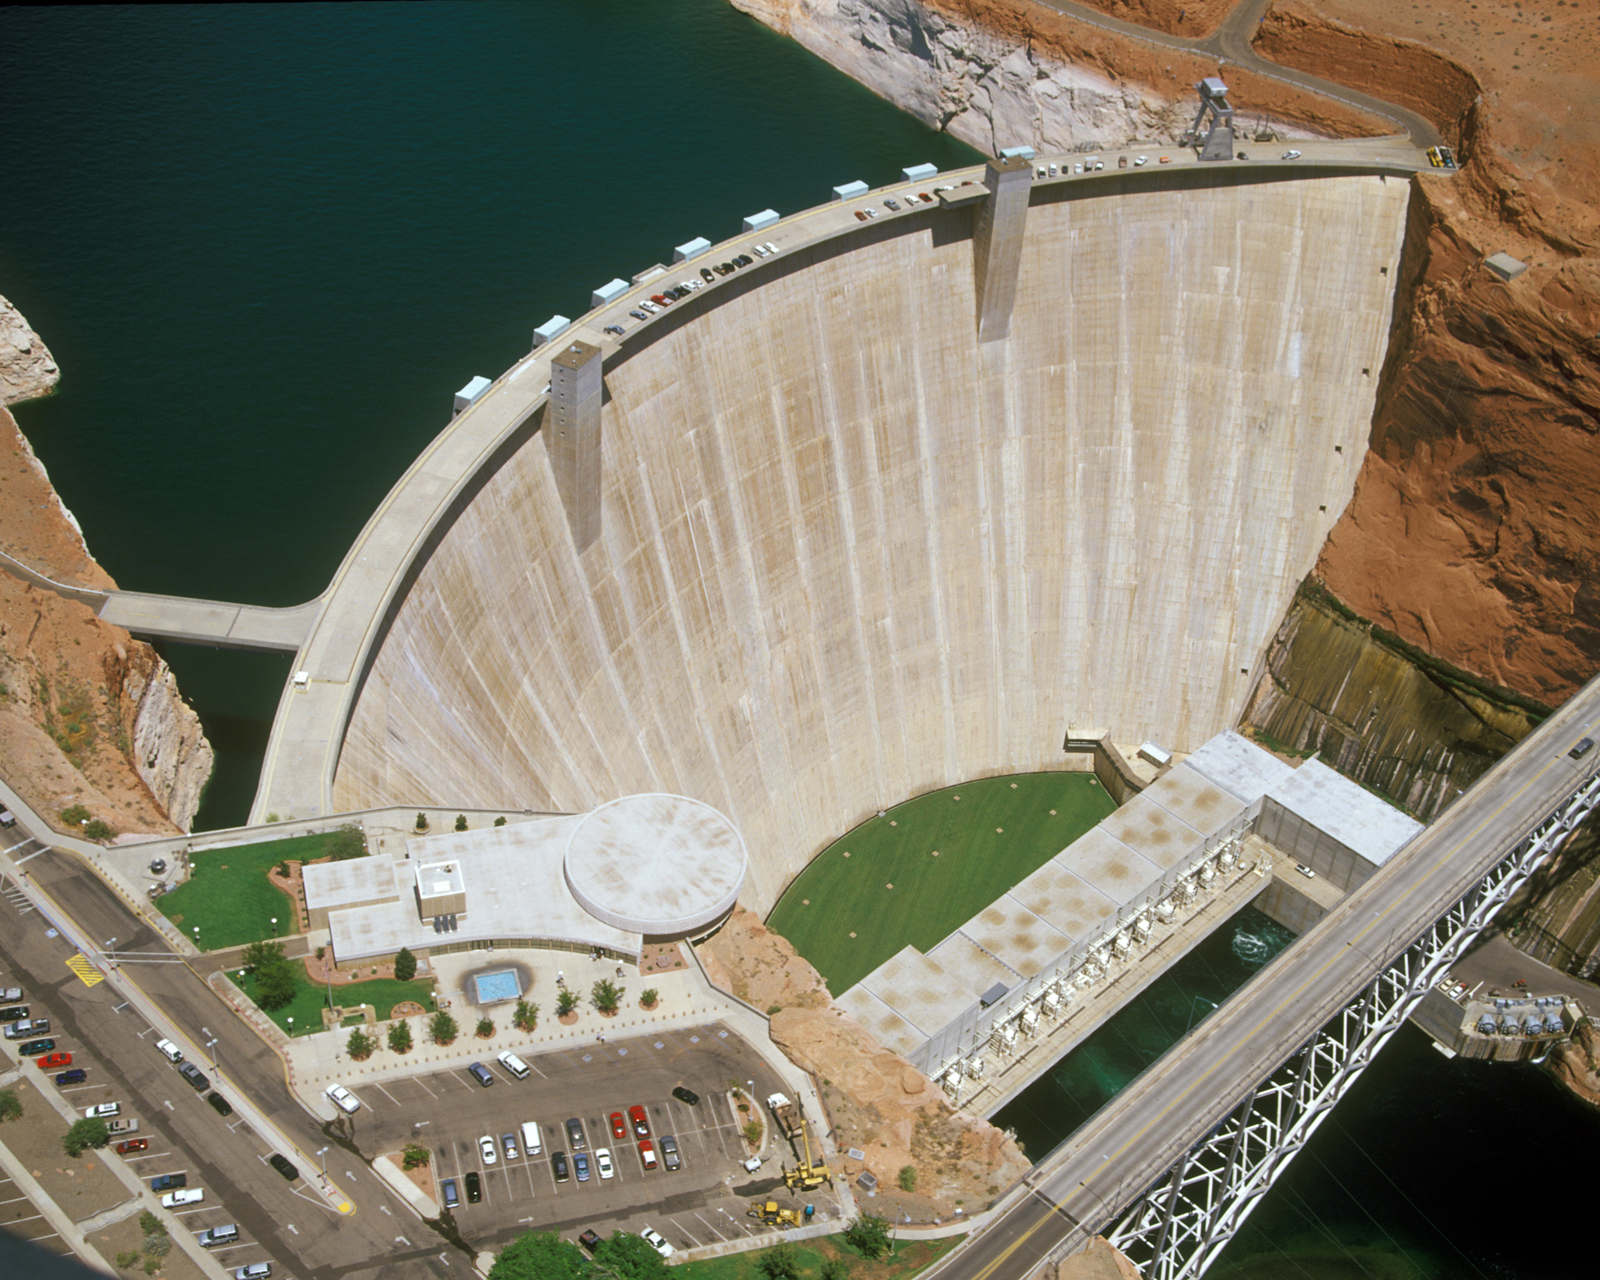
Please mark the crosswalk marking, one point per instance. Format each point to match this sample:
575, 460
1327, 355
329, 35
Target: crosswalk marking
87, 973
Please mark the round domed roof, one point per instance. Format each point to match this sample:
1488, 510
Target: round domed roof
658, 864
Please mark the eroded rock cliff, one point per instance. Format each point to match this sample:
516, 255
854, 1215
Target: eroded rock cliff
89, 716
878, 1103
998, 74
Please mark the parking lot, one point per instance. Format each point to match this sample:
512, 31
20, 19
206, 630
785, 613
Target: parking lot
702, 1202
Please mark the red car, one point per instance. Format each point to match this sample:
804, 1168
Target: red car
641, 1126
619, 1131
51, 1061
131, 1145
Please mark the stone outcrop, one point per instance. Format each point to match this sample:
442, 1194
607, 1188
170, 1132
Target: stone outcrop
1576, 1063
997, 75
878, 1103
27, 370
89, 716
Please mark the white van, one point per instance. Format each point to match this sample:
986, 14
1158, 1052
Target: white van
169, 1051
530, 1139
515, 1065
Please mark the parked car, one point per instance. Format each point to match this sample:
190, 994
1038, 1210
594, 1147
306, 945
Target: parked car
451, 1196
602, 1163
558, 1165
892, 205
219, 1104
638, 315
653, 1239
580, 1164
614, 328
18, 1030
227, 1233
17, 1013
130, 1145
705, 274
686, 1095
474, 1187
1291, 155
103, 1111
343, 1098
169, 1182
647, 1154
1139, 160
641, 1126
37, 1046
619, 1129
575, 1138
10, 995
486, 1149
254, 1271
169, 1051
481, 1074
54, 1061
669, 1152
283, 1166
589, 1239
76, 1076
861, 215
194, 1076
173, 1199
508, 1144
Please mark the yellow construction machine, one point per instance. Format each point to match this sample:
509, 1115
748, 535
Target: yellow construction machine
773, 1216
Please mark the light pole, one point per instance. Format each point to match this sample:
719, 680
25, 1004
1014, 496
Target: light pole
274, 926
291, 1026
1214, 1005
212, 1045
197, 937
322, 1155
110, 959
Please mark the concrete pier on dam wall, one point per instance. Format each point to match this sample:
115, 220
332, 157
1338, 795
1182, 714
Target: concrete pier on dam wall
849, 554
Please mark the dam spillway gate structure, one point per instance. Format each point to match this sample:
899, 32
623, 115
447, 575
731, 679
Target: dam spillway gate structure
1179, 1226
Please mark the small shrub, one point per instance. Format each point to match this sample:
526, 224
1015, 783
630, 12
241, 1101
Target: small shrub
566, 1002
405, 965
321, 951
157, 1246
752, 1132
415, 1156
836, 1269
461, 822
151, 1265
442, 1028
400, 1037
868, 1235
606, 995
526, 1017
75, 815
773, 1010
128, 1259
10, 1105
649, 996
97, 830
360, 1045
908, 1177
346, 843
781, 1262
151, 1225
422, 822
485, 1028
499, 822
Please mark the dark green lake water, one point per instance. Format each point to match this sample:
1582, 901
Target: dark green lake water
267, 243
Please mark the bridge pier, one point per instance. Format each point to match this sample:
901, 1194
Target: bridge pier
572, 437
997, 243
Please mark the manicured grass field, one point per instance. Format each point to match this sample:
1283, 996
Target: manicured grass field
228, 896
909, 1257
840, 912
310, 999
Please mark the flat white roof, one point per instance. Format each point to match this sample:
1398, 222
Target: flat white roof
1239, 766
1350, 814
338, 884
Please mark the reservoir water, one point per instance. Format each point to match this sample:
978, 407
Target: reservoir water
267, 243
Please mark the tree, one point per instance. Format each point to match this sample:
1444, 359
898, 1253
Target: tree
442, 1028
400, 1036
360, 1045
566, 1002
627, 1257
752, 1132
261, 954
540, 1255
836, 1269
10, 1105
606, 995
345, 843
526, 1018
869, 1235
84, 1134
461, 822
781, 1262
648, 997
422, 822
405, 965
908, 1177
415, 1155
277, 985
485, 1028
499, 822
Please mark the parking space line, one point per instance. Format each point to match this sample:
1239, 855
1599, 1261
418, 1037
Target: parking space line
385, 1093
709, 1227
417, 1080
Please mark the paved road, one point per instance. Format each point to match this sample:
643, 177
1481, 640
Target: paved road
1143, 1131
1230, 43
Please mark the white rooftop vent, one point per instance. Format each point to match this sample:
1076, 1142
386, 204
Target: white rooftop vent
756, 221
850, 190
693, 249
551, 328
471, 392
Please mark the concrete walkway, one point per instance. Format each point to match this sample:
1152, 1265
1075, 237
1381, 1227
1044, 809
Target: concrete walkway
211, 622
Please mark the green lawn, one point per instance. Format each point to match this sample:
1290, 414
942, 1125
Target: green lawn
842, 916
228, 896
306, 1008
910, 1257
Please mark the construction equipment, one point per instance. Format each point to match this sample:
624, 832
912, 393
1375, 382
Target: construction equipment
805, 1176
773, 1216
786, 1114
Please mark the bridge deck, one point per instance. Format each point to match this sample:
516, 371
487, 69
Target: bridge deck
211, 622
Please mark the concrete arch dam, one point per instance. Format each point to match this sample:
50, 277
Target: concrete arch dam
850, 553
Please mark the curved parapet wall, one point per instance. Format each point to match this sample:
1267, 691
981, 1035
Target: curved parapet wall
849, 554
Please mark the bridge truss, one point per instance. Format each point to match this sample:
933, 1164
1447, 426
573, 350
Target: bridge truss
1177, 1229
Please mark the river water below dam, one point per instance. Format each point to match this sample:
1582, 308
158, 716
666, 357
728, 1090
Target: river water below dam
266, 244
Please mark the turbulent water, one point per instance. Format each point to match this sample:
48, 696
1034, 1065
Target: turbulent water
267, 243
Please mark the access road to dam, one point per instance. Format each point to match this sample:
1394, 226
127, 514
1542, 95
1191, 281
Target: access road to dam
1125, 1149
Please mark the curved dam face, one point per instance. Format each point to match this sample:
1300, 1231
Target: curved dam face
850, 554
